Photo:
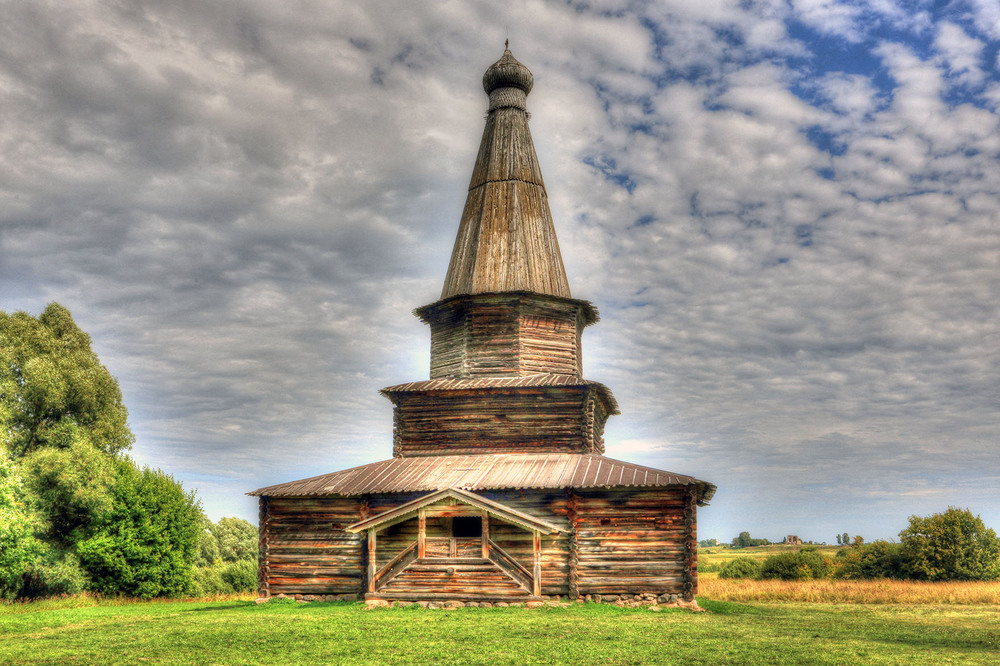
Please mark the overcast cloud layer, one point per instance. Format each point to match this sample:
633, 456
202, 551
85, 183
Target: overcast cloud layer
786, 212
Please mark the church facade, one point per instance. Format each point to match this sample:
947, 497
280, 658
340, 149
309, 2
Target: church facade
498, 488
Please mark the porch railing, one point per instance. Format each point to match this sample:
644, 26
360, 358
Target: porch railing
500, 558
395, 565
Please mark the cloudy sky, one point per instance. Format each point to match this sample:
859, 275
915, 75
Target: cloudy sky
786, 211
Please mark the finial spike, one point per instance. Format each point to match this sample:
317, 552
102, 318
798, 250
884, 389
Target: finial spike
506, 43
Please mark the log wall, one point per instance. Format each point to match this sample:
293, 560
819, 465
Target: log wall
558, 419
615, 542
305, 549
497, 335
635, 542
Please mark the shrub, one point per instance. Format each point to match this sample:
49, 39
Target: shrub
801, 565
53, 574
878, 559
240, 576
146, 544
741, 567
223, 578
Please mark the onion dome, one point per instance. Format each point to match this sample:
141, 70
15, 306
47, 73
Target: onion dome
507, 72
508, 82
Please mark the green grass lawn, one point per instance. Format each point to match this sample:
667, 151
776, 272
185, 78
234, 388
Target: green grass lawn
233, 632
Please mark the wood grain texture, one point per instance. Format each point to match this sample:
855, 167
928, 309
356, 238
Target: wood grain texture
515, 420
501, 334
616, 542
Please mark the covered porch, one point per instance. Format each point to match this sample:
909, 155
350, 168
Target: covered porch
441, 548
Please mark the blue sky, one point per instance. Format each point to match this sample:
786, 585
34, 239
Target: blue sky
786, 213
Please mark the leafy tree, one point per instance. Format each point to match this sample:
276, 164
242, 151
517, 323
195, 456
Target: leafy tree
240, 576
878, 559
69, 488
839, 540
98, 522
744, 540
954, 545
146, 544
208, 545
18, 546
805, 564
741, 567
227, 558
846, 539
237, 539
53, 389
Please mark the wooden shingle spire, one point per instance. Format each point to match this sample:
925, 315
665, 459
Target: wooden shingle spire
506, 240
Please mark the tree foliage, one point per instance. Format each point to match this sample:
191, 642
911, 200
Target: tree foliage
805, 564
82, 515
145, 544
878, 559
744, 540
741, 567
53, 389
237, 539
954, 545
18, 546
227, 558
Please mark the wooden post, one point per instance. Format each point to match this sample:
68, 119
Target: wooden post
371, 560
537, 573
486, 536
422, 534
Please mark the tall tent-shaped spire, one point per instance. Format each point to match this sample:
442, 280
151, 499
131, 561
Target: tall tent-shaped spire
506, 240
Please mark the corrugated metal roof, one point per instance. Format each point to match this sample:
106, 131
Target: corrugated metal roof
484, 472
518, 381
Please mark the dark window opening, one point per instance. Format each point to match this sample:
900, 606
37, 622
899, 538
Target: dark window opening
467, 527
605, 521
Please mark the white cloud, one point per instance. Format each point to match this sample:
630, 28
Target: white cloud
960, 54
242, 204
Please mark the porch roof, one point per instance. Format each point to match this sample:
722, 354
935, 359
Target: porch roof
492, 508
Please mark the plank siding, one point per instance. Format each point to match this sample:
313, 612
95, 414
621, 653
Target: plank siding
496, 335
308, 551
493, 421
615, 542
632, 542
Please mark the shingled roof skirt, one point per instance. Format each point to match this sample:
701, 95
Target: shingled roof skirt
516, 381
590, 314
506, 240
488, 472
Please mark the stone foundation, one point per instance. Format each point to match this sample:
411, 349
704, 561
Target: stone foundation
651, 601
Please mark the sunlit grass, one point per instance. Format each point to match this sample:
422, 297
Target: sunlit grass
89, 600
241, 632
850, 591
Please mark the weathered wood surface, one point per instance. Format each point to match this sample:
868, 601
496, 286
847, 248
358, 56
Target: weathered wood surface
308, 552
495, 335
634, 542
506, 239
616, 542
512, 567
556, 419
452, 578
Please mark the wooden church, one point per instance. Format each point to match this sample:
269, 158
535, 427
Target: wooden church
498, 489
